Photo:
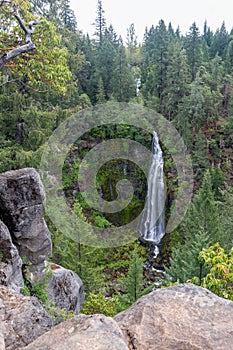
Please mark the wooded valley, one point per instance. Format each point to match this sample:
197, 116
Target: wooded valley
188, 79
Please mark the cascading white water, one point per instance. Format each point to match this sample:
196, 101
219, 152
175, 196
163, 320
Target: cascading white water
152, 223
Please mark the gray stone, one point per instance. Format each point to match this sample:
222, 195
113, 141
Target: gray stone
10, 262
183, 317
22, 319
22, 201
2, 325
82, 333
66, 289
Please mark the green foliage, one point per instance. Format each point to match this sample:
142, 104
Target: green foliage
220, 277
39, 288
201, 228
40, 69
99, 220
188, 78
184, 261
133, 283
193, 45
99, 304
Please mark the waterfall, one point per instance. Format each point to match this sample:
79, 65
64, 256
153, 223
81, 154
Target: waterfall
152, 223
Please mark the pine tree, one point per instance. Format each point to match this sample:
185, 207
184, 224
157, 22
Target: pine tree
226, 213
68, 16
100, 23
100, 97
184, 263
193, 45
155, 52
56, 11
105, 57
177, 77
229, 56
201, 228
133, 282
220, 42
131, 40
123, 85
208, 35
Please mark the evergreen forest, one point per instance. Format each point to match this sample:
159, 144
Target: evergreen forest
187, 78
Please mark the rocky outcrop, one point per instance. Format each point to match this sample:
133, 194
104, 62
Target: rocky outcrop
66, 289
83, 333
24, 234
10, 261
183, 317
22, 320
22, 201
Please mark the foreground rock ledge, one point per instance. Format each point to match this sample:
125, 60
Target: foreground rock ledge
22, 320
83, 333
183, 317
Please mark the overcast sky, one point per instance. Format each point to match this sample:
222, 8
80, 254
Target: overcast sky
144, 13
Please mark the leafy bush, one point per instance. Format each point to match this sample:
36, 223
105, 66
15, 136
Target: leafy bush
220, 278
99, 304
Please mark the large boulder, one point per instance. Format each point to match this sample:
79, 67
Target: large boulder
22, 200
66, 289
10, 261
82, 333
183, 317
22, 320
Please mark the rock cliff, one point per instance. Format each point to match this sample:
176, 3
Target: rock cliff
10, 261
22, 201
24, 235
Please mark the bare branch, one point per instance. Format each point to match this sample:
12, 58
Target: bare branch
21, 22
10, 81
29, 46
4, 2
19, 81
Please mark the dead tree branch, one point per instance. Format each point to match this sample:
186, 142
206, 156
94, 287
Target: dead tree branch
29, 44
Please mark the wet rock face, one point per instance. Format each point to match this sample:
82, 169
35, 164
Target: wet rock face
22, 201
22, 320
183, 317
10, 261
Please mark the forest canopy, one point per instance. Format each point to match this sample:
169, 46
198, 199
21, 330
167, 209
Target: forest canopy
51, 70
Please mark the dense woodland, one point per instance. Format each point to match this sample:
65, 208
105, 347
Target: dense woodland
187, 78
